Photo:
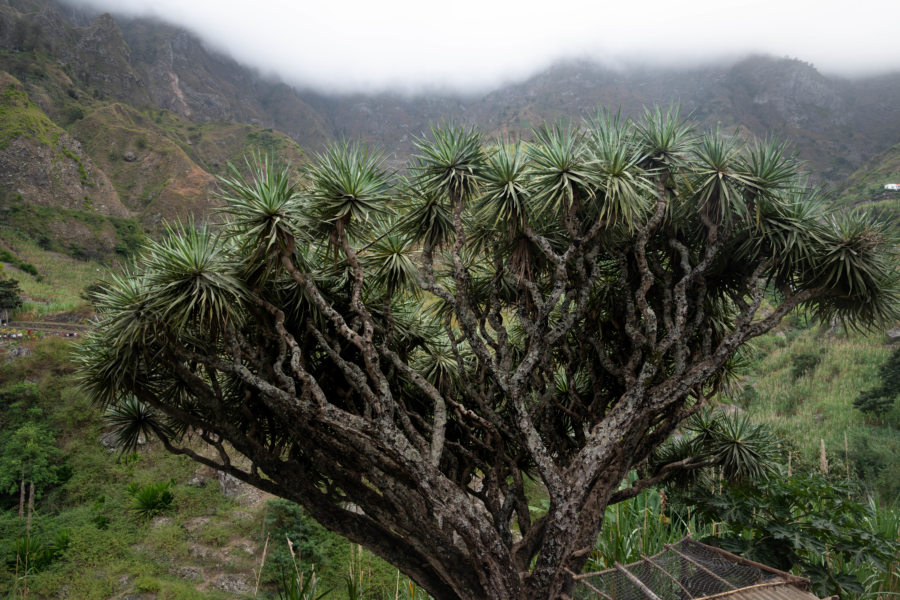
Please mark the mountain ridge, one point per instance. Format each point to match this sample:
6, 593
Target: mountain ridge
76, 66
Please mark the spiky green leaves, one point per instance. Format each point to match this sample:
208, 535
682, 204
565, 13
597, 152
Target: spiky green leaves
718, 181
726, 440
133, 421
191, 279
560, 175
449, 164
624, 194
735, 181
742, 449
504, 196
262, 212
189, 288
855, 263
428, 219
770, 168
348, 187
390, 262
665, 137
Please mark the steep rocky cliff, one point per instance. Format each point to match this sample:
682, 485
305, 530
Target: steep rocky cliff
41, 162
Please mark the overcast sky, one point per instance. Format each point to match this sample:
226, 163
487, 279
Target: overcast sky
474, 45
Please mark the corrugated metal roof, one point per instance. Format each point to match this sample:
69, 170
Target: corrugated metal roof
783, 591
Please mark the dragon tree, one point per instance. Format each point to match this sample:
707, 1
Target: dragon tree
409, 355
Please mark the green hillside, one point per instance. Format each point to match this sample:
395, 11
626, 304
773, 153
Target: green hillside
104, 543
864, 189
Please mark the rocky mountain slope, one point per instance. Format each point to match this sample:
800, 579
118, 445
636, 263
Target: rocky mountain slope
834, 124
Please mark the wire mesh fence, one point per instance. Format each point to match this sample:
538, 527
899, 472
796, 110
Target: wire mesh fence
686, 570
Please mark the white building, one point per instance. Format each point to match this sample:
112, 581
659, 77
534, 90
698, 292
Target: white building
895, 187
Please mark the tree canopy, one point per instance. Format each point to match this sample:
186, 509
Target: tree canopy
880, 398
408, 355
10, 294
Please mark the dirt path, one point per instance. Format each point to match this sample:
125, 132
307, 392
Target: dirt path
48, 327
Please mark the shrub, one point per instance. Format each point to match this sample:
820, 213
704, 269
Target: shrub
36, 553
804, 363
805, 522
151, 499
311, 541
879, 399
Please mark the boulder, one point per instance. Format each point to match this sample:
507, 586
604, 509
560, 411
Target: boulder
189, 573
231, 486
236, 584
196, 481
17, 351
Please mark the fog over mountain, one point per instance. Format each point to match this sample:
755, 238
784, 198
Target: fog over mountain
154, 112
472, 46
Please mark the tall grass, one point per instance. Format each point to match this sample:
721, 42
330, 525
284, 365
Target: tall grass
882, 583
639, 527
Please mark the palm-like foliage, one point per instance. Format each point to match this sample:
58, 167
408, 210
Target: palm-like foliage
449, 164
724, 442
191, 279
720, 183
665, 137
427, 219
504, 196
788, 232
390, 260
625, 191
853, 262
770, 168
132, 421
560, 174
743, 450
151, 499
261, 210
347, 184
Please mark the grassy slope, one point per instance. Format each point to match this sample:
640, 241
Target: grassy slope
59, 281
20, 117
175, 161
818, 405
126, 552
867, 183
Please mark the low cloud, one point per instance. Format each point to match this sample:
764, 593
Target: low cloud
471, 46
